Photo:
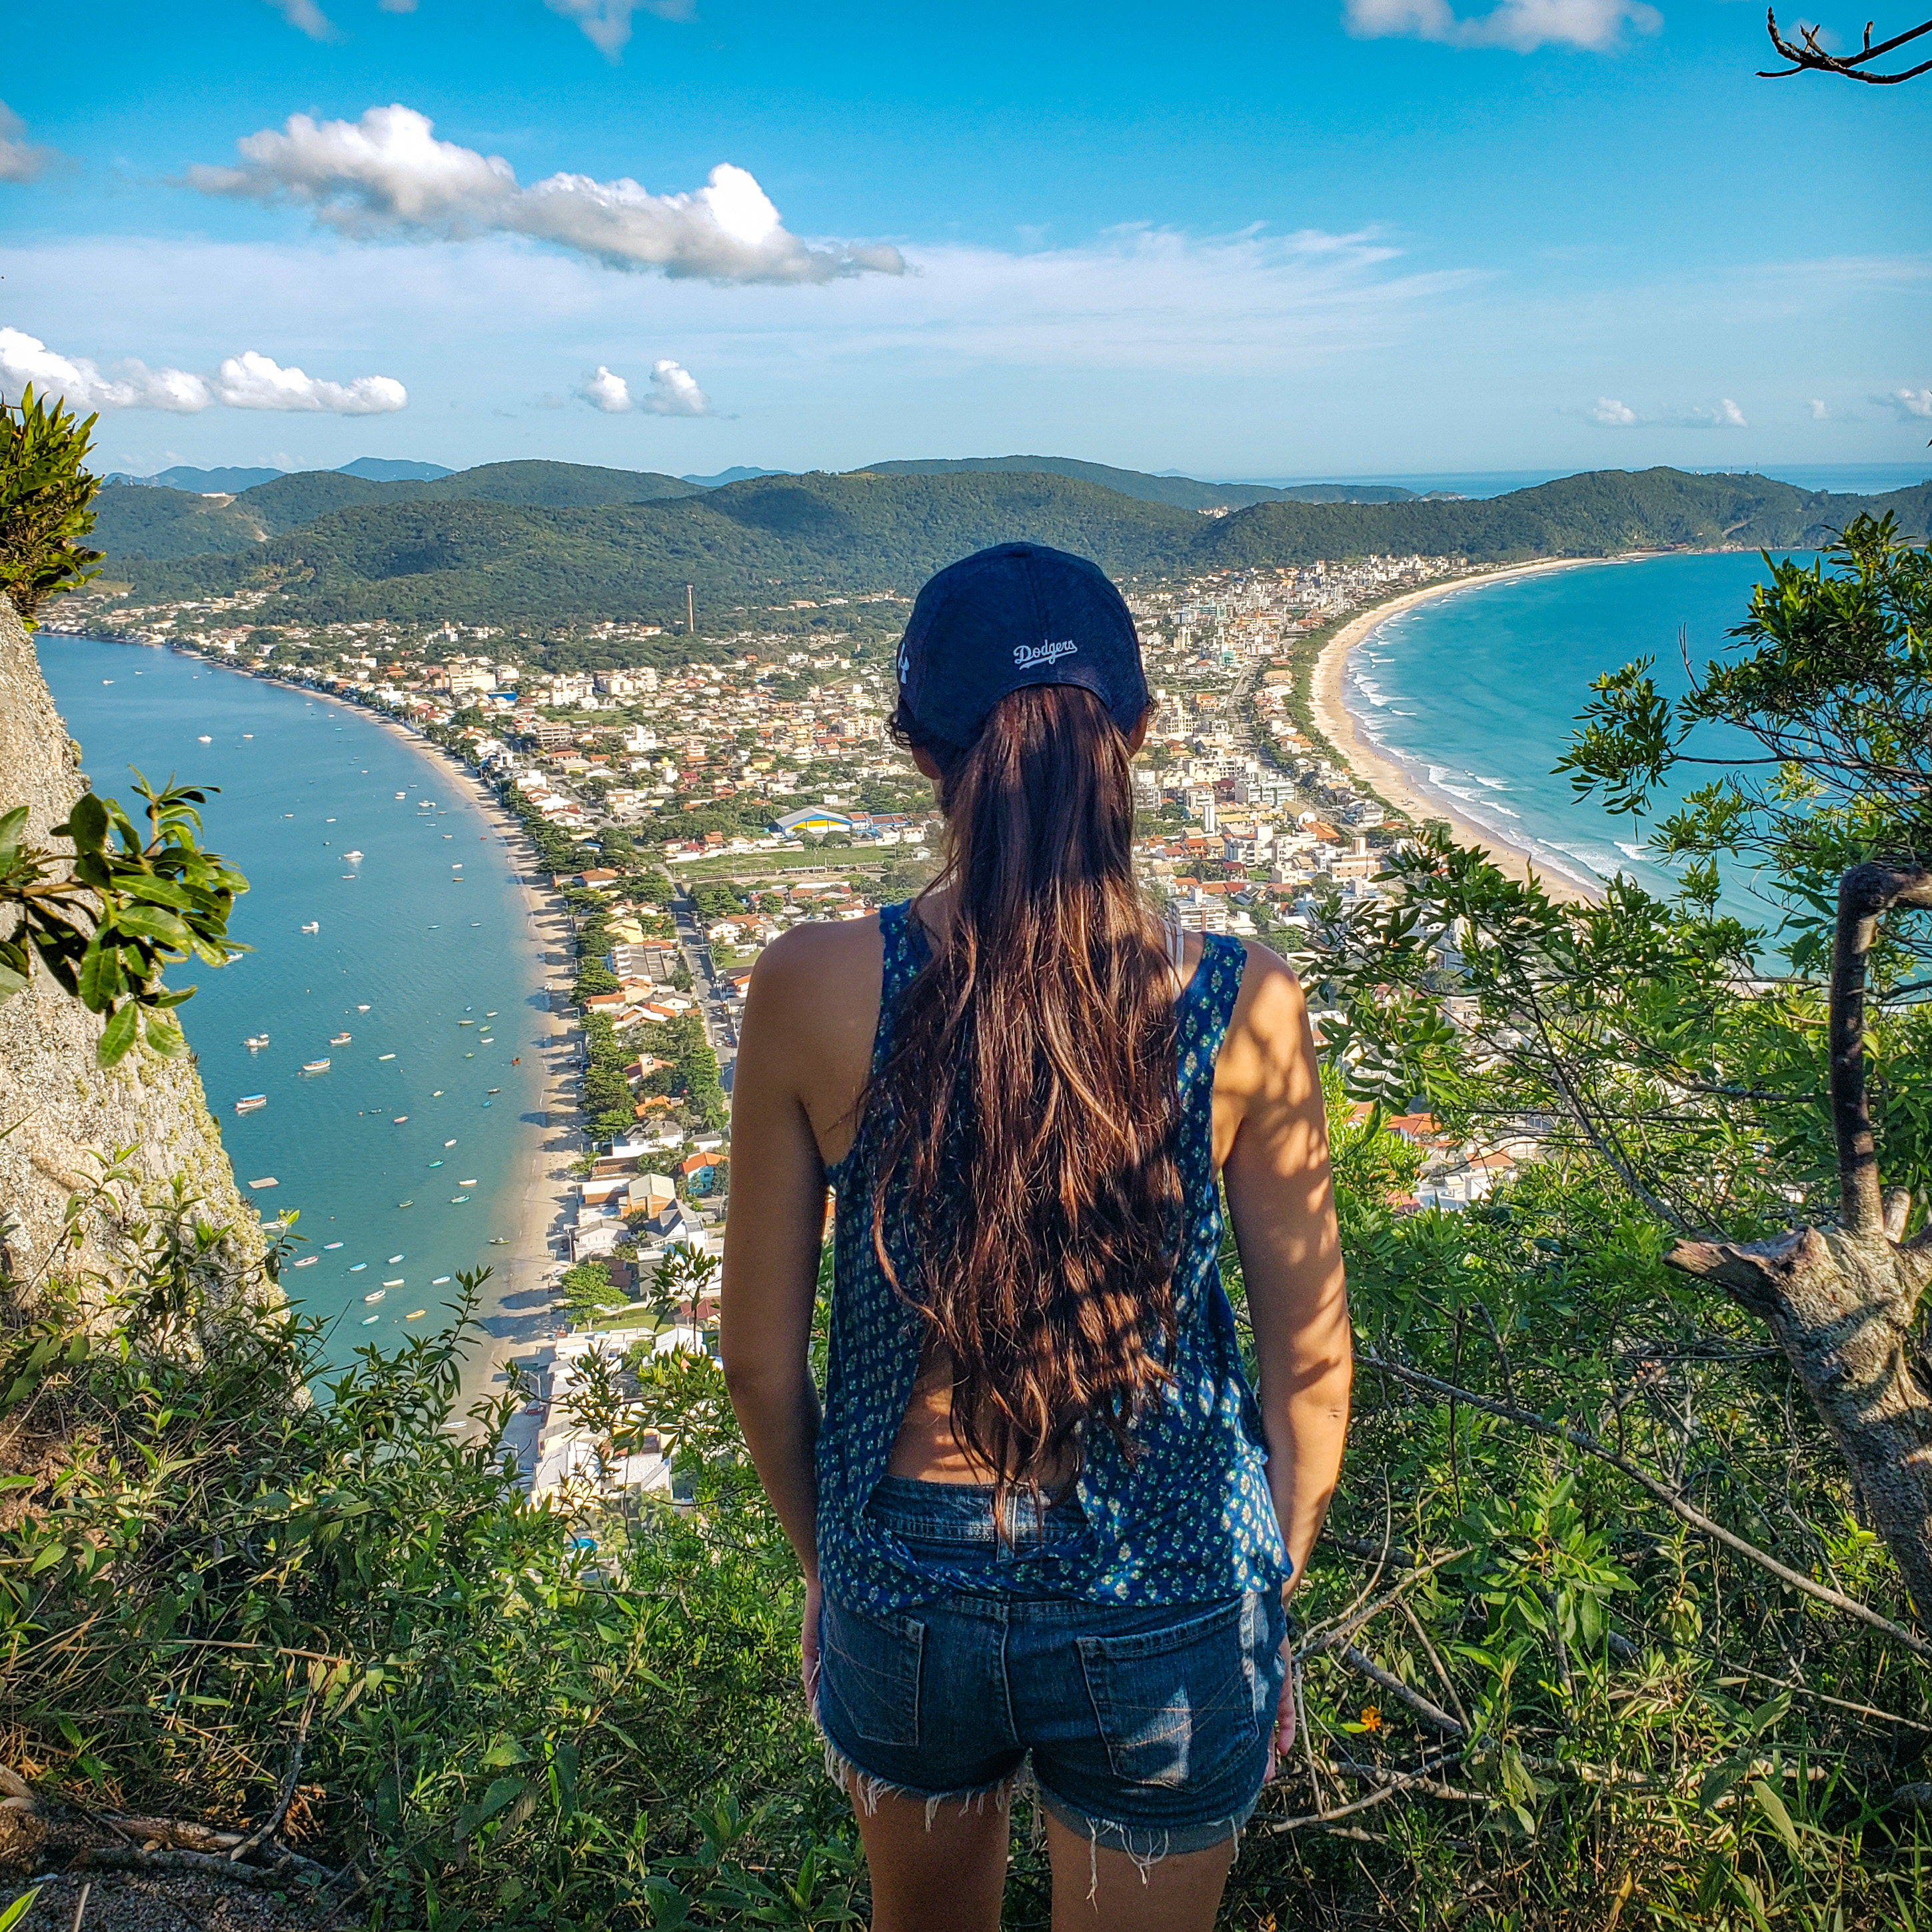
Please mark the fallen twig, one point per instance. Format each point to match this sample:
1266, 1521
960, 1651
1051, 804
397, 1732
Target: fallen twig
272, 1823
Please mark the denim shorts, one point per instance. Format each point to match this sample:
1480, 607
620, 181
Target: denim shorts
1149, 1727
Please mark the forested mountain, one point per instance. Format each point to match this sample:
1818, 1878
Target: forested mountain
138, 521
495, 545
1183, 493
161, 523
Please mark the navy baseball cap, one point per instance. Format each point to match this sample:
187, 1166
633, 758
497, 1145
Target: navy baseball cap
1017, 614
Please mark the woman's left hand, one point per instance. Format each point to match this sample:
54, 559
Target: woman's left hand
807, 1642
1282, 1742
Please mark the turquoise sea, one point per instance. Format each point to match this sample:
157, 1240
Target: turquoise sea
400, 1157
1479, 691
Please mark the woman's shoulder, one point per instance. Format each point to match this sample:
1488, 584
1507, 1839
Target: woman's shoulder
1269, 1024
807, 962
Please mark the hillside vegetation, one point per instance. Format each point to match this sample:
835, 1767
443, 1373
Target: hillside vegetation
522, 542
1182, 492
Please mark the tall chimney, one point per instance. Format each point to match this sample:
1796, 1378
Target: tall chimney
690, 614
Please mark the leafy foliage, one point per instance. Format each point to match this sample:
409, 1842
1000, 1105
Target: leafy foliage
46, 497
108, 926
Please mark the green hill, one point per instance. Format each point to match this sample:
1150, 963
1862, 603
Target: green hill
290, 502
1183, 493
425, 557
140, 519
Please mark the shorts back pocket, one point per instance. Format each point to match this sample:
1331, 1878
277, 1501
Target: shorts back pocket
1174, 1704
870, 1665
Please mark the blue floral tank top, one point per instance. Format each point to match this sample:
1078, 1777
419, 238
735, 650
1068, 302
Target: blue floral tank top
1190, 1519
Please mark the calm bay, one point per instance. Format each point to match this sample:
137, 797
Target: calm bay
401, 1156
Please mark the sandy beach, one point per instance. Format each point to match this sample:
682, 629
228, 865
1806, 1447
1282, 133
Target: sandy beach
1397, 781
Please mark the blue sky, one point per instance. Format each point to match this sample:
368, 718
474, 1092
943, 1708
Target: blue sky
1339, 237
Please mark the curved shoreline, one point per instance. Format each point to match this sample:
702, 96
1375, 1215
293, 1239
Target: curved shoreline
514, 1313
1397, 779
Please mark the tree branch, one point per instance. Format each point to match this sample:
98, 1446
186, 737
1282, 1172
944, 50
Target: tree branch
1672, 1500
1807, 56
1865, 894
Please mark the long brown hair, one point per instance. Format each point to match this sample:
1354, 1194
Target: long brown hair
1020, 1136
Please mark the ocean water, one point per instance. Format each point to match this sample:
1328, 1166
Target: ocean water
401, 1159
1480, 689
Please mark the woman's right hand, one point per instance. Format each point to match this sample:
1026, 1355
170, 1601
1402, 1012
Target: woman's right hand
807, 1642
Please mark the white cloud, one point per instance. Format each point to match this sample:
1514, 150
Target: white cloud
674, 391
607, 23
604, 391
307, 17
1911, 405
1819, 412
1521, 25
250, 381
388, 176
19, 160
26, 358
1723, 414
253, 381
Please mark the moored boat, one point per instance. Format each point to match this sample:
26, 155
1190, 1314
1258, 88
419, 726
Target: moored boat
315, 1067
250, 1102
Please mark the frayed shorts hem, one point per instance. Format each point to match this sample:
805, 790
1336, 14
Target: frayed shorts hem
1144, 1845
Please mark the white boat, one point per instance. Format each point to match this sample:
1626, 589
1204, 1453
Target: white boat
466, 1183
331, 1244
307, 1261
267, 1181
255, 1042
204, 739
385, 1056
250, 1103
352, 857
396, 1283
339, 1039
402, 794
364, 1008
367, 1318
315, 1067
313, 925
376, 1296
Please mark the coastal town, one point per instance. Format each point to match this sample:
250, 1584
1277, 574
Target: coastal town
686, 798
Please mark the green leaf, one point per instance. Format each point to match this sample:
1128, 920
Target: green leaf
119, 1034
100, 978
1768, 1802
154, 922
19, 1909
86, 824
504, 1791
167, 1039
1718, 1781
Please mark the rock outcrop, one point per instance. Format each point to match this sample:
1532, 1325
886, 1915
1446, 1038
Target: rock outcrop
61, 1118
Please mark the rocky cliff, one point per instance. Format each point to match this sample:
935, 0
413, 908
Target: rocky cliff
62, 1119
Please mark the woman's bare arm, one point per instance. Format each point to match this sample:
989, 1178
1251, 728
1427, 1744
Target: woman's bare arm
1279, 1194
772, 1239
